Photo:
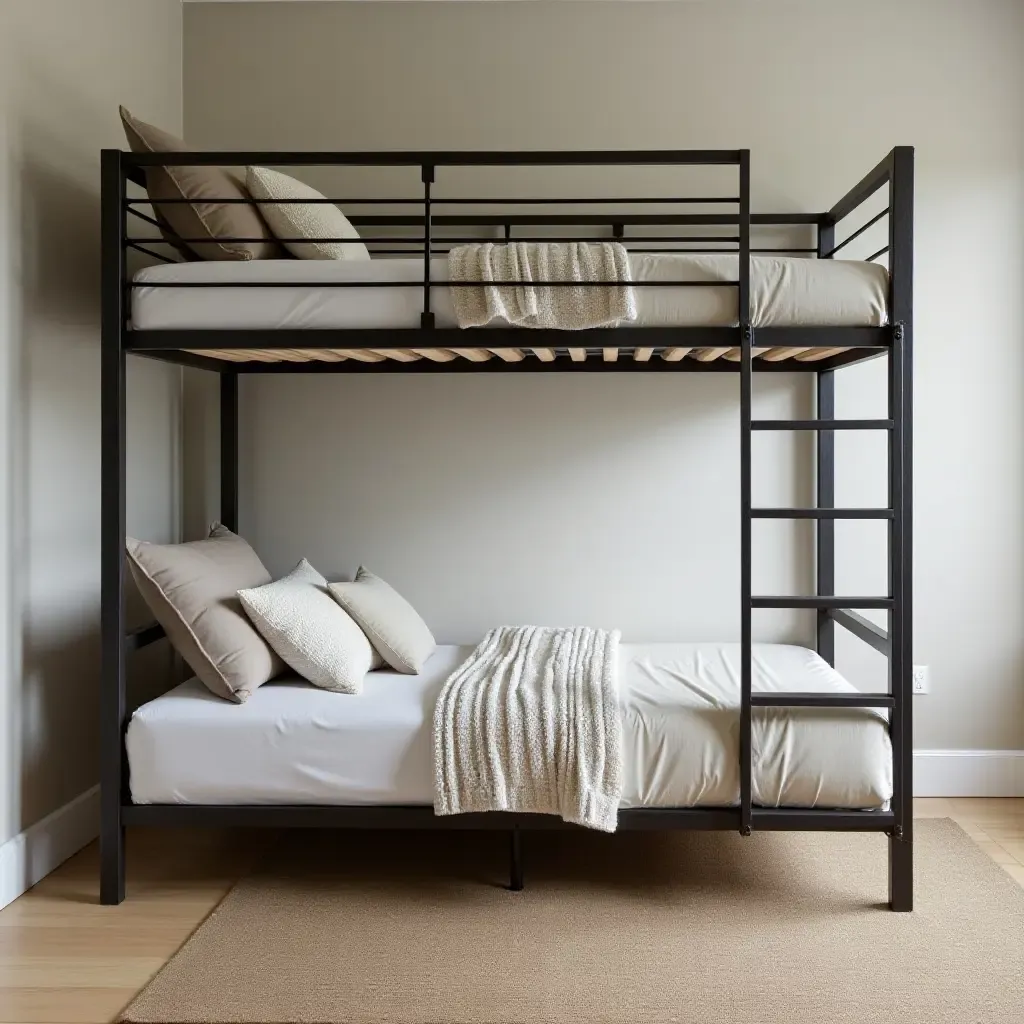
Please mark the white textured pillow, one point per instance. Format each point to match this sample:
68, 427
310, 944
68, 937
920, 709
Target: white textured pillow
392, 624
303, 220
309, 631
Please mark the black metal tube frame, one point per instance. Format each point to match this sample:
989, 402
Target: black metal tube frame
895, 173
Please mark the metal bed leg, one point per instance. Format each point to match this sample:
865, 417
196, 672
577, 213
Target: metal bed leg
901, 873
113, 774
515, 860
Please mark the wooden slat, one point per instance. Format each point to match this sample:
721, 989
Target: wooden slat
474, 355
436, 355
397, 354
510, 355
364, 355
578, 355
642, 355
812, 355
611, 355
776, 355
545, 355
709, 355
674, 355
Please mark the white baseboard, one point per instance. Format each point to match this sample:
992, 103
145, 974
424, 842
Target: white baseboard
969, 773
34, 853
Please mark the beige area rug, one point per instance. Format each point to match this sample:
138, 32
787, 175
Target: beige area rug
667, 928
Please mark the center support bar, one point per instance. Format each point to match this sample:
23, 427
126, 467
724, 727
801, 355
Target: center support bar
860, 627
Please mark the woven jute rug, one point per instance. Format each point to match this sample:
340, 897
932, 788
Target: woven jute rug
415, 928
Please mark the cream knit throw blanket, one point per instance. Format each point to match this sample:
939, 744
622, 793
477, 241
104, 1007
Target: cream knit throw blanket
531, 723
565, 308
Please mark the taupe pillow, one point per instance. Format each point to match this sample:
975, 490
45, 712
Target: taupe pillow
392, 624
200, 218
192, 590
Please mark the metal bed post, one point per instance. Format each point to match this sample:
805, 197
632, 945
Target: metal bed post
746, 338
427, 316
113, 776
901, 256
825, 529
229, 449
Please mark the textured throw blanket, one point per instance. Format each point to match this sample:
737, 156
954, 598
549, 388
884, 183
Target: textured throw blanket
565, 308
531, 723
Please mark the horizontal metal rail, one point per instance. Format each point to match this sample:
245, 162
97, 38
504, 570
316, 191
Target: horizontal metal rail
423, 817
402, 338
821, 513
821, 601
462, 201
821, 425
441, 158
871, 633
821, 700
433, 284
136, 639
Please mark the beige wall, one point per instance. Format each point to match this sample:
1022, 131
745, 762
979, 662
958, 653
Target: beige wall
64, 67
620, 506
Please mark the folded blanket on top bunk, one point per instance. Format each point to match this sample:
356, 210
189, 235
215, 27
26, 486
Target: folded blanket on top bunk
563, 308
531, 722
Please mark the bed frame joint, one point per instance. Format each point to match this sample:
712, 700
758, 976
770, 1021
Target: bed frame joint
897, 330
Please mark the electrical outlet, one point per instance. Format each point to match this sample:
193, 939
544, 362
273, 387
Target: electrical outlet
922, 679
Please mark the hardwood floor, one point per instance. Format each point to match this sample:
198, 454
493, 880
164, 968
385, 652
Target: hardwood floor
65, 959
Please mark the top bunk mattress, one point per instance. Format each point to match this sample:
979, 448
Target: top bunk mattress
291, 743
785, 292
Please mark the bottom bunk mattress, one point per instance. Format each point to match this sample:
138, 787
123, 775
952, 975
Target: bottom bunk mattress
292, 743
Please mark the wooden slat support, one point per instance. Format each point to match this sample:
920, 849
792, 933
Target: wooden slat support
675, 355
578, 355
436, 355
364, 355
643, 355
474, 355
399, 355
709, 355
776, 355
510, 355
545, 355
611, 355
812, 355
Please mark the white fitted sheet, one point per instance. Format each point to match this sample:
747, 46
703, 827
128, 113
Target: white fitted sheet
292, 743
785, 292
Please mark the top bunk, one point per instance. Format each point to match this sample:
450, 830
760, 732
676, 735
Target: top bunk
713, 284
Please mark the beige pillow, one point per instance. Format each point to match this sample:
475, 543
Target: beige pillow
303, 220
192, 590
392, 624
201, 218
312, 633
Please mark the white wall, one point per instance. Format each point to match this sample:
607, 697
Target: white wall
620, 507
65, 66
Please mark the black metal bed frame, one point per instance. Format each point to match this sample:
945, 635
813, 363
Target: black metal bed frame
895, 173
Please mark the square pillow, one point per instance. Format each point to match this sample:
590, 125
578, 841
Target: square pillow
201, 218
303, 220
395, 629
310, 631
192, 590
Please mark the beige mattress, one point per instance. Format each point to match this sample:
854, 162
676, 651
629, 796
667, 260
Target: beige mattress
292, 743
785, 292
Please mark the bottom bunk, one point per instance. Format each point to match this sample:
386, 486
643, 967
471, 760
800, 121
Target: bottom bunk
293, 744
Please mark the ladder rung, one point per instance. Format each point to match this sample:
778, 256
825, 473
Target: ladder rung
821, 424
821, 513
838, 601
821, 700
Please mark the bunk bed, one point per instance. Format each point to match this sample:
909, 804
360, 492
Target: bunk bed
701, 308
